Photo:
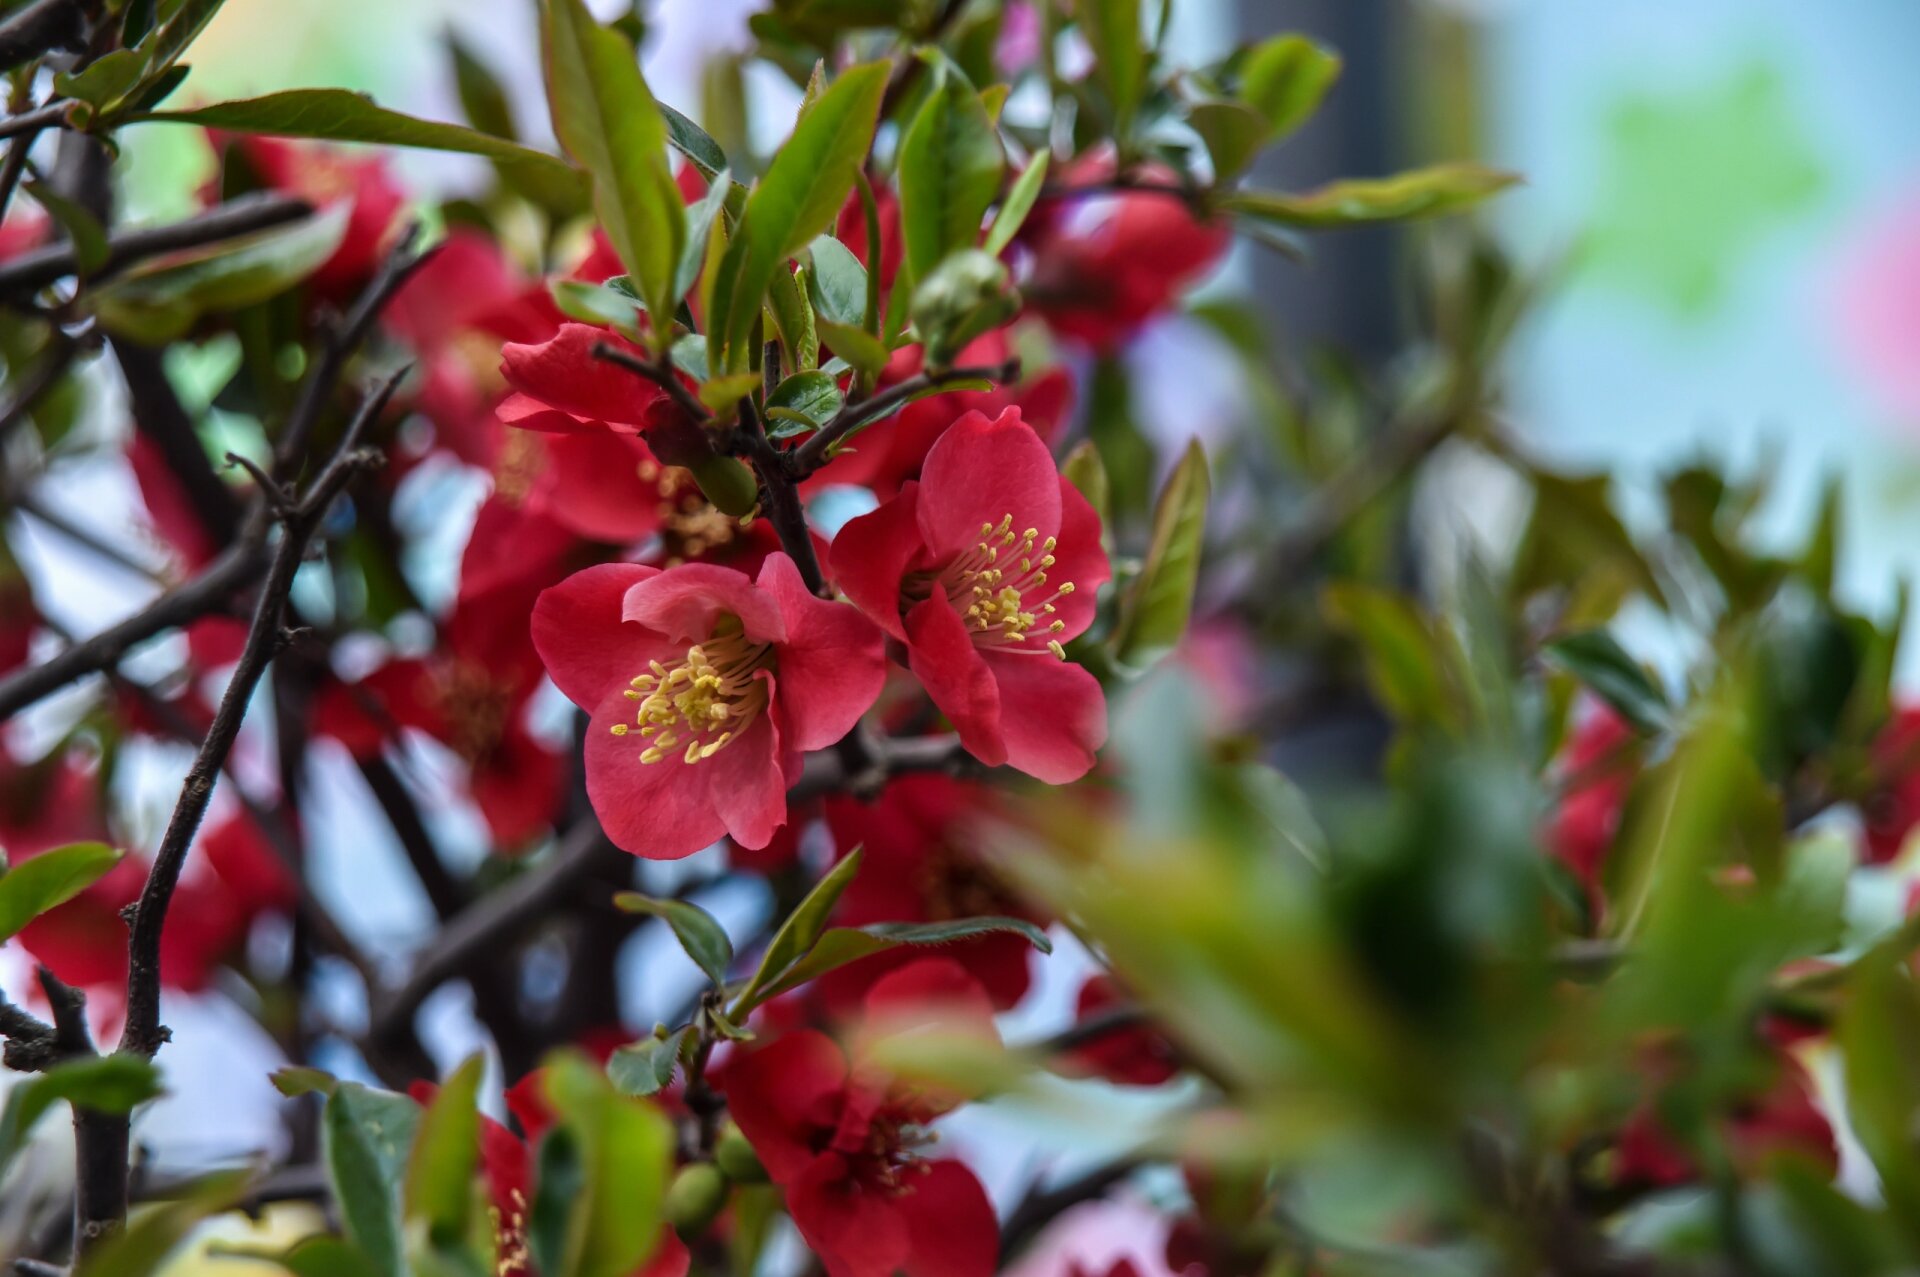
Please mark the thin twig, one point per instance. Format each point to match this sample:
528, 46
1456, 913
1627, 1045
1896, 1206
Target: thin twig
144, 1034
31, 505
1041, 1207
662, 375
812, 454
37, 29
32, 271
40, 117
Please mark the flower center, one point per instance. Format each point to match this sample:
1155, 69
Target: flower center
689, 524
703, 701
954, 884
1000, 587
475, 706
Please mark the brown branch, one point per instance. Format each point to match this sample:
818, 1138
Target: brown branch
58, 357
204, 595
32, 271
49, 116
144, 1034
1041, 1207
661, 374
161, 418
37, 29
812, 454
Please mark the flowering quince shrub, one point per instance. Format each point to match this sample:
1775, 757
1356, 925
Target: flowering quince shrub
1329, 908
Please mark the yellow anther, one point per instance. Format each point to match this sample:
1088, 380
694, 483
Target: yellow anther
619, 729
1053, 645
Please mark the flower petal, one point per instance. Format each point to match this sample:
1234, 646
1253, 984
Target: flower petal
785, 1094
684, 603
981, 472
562, 373
873, 552
951, 1227
832, 666
942, 656
856, 1232
577, 630
1053, 715
594, 484
747, 782
660, 811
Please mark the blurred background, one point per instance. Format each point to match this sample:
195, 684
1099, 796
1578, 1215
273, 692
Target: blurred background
1722, 206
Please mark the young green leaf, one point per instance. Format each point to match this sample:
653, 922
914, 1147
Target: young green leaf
843, 945
366, 1136
1285, 80
482, 99
50, 879
1112, 31
805, 401
1427, 192
606, 118
439, 1184
621, 1150
950, 167
1233, 132
1598, 660
646, 1067
105, 1083
158, 301
337, 115
796, 936
1154, 617
596, 304
837, 283
798, 199
1085, 471
148, 1241
704, 939
854, 344
701, 218
693, 142
791, 316
1018, 204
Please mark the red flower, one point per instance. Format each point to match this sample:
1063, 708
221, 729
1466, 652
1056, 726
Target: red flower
1103, 265
1583, 828
1783, 1118
177, 524
1893, 809
328, 176
888, 455
560, 387
841, 1137
704, 688
922, 866
852, 231
470, 693
983, 569
1134, 1056
19, 615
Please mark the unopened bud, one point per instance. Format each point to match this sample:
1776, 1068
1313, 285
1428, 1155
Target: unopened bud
736, 1158
966, 295
694, 1198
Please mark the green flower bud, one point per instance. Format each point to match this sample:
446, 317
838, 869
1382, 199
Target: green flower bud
735, 1156
694, 1198
966, 295
728, 483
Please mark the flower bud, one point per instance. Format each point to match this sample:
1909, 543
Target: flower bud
694, 1198
966, 295
728, 483
736, 1158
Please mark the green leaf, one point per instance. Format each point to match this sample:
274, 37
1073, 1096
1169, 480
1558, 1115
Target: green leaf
105, 1083
317, 1256
843, 945
690, 355
295, 1080
1600, 663
692, 141
150, 1237
798, 199
796, 936
1112, 31
482, 100
1427, 192
701, 218
792, 316
1403, 660
1285, 79
337, 115
104, 81
160, 300
1879, 1036
1019, 203
606, 118
950, 166
1154, 616
805, 401
1233, 132
646, 1067
439, 1184
722, 393
125, 75
837, 283
49, 880
704, 939
621, 1150
1086, 472
854, 344
365, 1138
596, 304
